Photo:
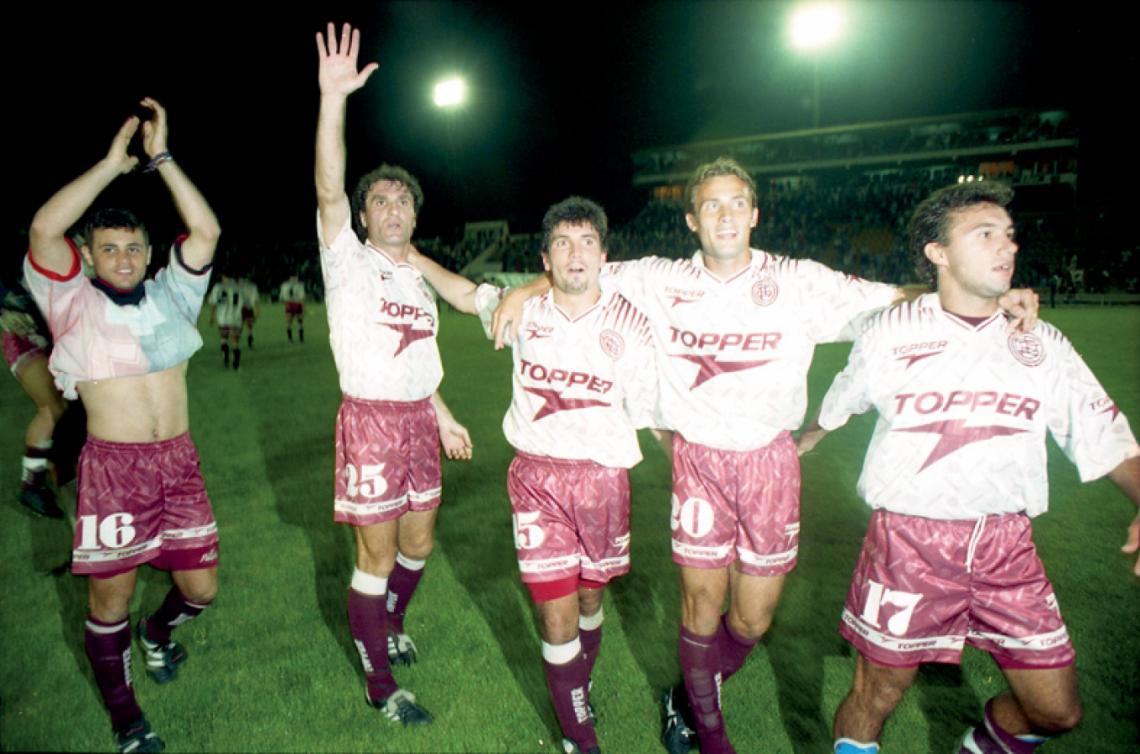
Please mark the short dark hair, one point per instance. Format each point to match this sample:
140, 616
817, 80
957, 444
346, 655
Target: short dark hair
386, 172
718, 167
930, 222
575, 210
112, 217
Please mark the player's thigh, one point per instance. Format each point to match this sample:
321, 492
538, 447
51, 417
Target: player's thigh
376, 546
1048, 696
702, 596
36, 380
416, 533
753, 601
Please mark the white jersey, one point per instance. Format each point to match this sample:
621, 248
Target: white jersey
581, 386
227, 299
733, 355
249, 293
382, 322
292, 291
963, 412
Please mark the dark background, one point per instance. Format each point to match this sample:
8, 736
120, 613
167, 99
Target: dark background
560, 94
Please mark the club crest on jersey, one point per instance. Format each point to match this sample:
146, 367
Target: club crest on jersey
764, 291
534, 331
612, 344
1027, 348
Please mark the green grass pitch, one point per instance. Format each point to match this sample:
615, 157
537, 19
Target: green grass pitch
272, 667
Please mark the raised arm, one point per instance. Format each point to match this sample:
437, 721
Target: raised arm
201, 224
48, 234
455, 289
507, 315
338, 78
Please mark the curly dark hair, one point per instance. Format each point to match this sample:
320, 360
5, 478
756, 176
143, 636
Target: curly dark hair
718, 167
113, 217
931, 219
385, 172
575, 210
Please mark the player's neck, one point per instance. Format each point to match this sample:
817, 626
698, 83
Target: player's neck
574, 305
398, 253
965, 304
725, 268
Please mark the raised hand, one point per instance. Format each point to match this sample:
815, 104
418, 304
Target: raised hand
154, 130
338, 74
117, 156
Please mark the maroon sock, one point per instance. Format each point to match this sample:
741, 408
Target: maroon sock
367, 620
1009, 741
569, 691
402, 583
591, 642
109, 650
173, 612
733, 649
700, 663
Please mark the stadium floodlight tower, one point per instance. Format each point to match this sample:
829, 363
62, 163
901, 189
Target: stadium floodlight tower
813, 28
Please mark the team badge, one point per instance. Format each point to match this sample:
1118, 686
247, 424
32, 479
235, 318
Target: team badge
764, 291
612, 344
1027, 348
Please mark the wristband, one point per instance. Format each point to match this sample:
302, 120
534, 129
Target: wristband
157, 160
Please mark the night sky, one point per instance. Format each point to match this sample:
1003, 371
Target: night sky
560, 94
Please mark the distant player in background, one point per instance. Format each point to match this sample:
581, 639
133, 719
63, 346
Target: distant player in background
250, 308
392, 420
955, 470
27, 345
584, 380
227, 300
293, 297
122, 343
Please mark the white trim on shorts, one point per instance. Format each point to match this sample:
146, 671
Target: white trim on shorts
1037, 642
369, 509
111, 556
538, 567
191, 533
701, 552
893, 644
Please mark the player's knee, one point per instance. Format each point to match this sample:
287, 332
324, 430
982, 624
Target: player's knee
417, 548
1056, 719
751, 627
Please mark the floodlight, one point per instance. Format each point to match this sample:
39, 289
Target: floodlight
815, 26
450, 92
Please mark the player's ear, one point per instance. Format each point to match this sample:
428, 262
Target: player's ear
363, 220
936, 253
546, 261
691, 221
85, 252
755, 217
149, 250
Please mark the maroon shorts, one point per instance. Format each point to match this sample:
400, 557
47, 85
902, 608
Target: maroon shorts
571, 518
294, 307
142, 503
924, 587
229, 332
246, 314
736, 506
387, 460
18, 349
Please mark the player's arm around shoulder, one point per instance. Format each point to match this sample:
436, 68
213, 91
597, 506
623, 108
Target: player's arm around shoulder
507, 316
455, 289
